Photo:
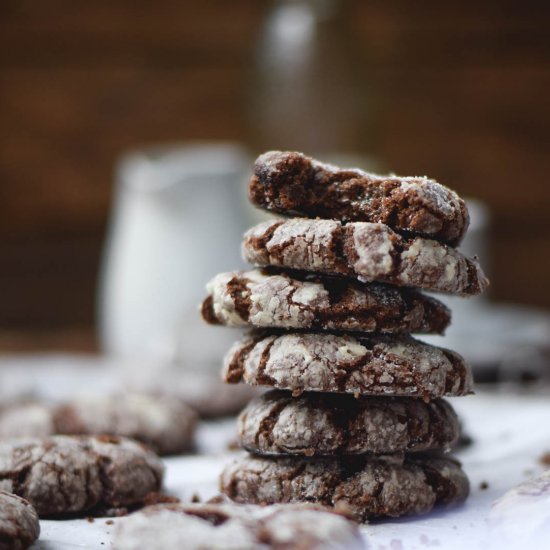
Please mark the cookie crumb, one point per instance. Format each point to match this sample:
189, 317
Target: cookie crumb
233, 445
89, 519
109, 522
545, 459
483, 485
195, 498
160, 498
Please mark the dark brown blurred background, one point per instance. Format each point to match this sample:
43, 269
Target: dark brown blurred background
465, 89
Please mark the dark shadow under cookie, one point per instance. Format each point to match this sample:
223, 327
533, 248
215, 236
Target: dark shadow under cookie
330, 424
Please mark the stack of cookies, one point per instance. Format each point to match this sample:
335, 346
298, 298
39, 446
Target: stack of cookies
356, 419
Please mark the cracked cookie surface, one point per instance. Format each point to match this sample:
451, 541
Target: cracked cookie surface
234, 527
19, 526
356, 364
328, 424
291, 183
70, 474
263, 298
366, 486
369, 252
165, 424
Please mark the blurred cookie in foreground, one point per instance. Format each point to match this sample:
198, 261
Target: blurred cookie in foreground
19, 526
165, 424
62, 475
234, 527
521, 517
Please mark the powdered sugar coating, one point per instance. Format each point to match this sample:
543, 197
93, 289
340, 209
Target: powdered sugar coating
368, 251
291, 183
230, 526
367, 487
326, 424
19, 526
64, 474
261, 299
359, 365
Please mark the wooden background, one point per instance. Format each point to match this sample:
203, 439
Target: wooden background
466, 100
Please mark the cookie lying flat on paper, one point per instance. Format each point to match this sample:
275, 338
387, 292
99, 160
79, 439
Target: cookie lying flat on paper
266, 299
234, 527
70, 474
329, 424
356, 364
293, 184
366, 486
19, 526
165, 424
370, 252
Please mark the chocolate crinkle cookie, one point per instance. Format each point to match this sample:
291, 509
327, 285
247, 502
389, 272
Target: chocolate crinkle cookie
70, 474
329, 424
166, 424
272, 299
291, 183
19, 526
234, 527
344, 363
370, 252
366, 486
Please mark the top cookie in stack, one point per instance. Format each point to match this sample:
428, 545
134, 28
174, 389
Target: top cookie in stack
335, 294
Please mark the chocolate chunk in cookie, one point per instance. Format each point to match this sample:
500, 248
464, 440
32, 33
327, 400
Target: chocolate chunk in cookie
64, 474
166, 424
278, 300
291, 183
19, 526
366, 486
370, 252
230, 526
329, 424
360, 365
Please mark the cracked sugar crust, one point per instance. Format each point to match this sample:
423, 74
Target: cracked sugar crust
69, 474
293, 184
370, 252
267, 299
165, 424
231, 526
368, 486
356, 364
328, 424
19, 526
